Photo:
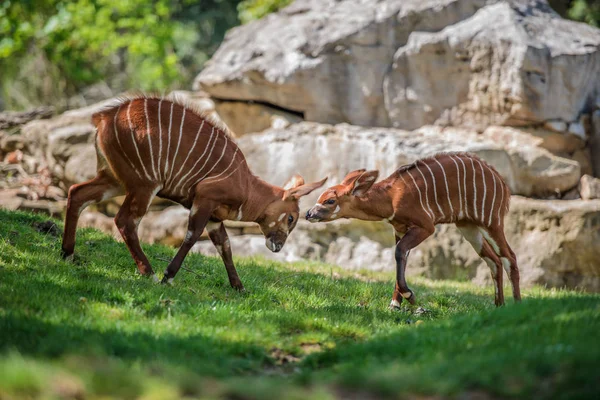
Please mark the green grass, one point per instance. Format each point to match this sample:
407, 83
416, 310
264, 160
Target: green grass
95, 329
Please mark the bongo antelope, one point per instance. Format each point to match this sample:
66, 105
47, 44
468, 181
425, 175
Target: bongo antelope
457, 188
150, 146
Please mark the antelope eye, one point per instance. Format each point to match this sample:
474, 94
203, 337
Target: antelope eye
290, 219
330, 201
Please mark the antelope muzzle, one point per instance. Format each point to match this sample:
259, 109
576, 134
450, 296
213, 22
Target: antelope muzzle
317, 213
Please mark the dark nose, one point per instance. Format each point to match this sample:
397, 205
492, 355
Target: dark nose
308, 214
278, 247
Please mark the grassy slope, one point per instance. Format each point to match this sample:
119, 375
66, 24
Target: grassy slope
95, 327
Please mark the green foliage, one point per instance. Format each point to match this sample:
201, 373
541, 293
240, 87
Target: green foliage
587, 11
95, 329
150, 45
250, 10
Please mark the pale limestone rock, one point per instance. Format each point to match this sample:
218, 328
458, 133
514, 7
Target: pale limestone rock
243, 118
589, 188
411, 63
278, 154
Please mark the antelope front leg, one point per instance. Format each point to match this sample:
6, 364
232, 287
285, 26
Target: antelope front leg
413, 237
218, 235
197, 222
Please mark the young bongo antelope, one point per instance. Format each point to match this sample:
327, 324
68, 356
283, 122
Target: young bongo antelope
457, 188
150, 147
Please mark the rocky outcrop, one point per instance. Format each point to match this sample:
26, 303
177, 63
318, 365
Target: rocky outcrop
279, 153
411, 63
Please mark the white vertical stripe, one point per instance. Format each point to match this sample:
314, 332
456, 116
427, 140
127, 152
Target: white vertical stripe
419, 190
188, 155
501, 204
484, 192
460, 213
169, 140
426, 194
217, 163
435, 190
447, 190
159, 139
231, 173
226, 169
119, 142
149, 136
493, 199
474, 188
135, 142
178, 143
199, 171
465, 186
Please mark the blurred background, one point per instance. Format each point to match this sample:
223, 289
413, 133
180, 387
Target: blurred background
321, 87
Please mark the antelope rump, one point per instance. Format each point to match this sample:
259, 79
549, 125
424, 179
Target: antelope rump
150, 146
457, 188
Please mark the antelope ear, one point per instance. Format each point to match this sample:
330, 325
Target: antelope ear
358, 183
296, 192
294, 182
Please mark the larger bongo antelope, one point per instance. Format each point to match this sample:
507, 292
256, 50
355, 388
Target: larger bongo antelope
150, 147
454, 188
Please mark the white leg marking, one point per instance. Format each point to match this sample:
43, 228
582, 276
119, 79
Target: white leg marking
473, 236
178, 143
119, 142
84, 205
493, 200
149, 136
219, 249
394, 304
137, 150
435, 190
188, 156
474, 188
155, 278
419, 190
484, 192
170, 281
169, 140
492, 265
447, 190
465, 186
407, 295
506, 265
489, 239
159, 139
460, 213
426, 194
199, 171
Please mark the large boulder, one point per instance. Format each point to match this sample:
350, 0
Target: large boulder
317, 150
414, 62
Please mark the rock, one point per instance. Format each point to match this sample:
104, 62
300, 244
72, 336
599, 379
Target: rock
576, 128
14, 157
81, 165
594, 143
277, 154
10, 143
556, 126
407, 64
589, 187
9, 119
243, 118
583, 157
